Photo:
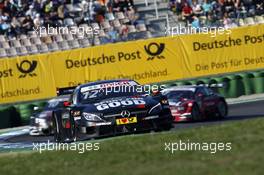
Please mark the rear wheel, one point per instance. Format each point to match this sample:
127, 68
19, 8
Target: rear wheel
196, 113
64, 127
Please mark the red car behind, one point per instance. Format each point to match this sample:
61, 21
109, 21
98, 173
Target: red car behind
195, 103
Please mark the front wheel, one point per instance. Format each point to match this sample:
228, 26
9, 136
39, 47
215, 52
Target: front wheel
196, 113
164, 125
222, 109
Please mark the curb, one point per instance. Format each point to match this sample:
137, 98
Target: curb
7, 130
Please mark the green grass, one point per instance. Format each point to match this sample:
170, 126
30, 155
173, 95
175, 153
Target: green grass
144, 154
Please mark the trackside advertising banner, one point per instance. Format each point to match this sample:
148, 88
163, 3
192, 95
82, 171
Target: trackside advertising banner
146, 61
26, 78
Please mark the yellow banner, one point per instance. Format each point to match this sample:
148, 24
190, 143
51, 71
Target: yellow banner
26, 78
146, 61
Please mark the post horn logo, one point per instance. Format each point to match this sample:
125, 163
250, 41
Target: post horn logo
159, 48
27, 68
125, 114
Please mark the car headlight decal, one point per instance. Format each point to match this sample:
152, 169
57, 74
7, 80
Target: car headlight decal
91, 117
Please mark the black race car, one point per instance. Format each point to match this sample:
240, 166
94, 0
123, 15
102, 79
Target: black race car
111, 107
41, 120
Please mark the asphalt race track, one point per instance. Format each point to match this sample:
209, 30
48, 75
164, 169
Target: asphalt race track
241, 111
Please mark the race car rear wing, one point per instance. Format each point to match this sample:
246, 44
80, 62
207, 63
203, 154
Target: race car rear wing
65, 91
213, 85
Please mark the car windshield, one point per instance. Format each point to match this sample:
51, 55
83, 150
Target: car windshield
177, 94
97, 95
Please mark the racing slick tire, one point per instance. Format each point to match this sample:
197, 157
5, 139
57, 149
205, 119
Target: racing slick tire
64, 127
164, 126
196, 113
221, 109
57, 124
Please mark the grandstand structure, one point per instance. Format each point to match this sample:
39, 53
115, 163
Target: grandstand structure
115, 20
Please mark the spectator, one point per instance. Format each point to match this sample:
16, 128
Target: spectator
48, 6
132, 16
37, 5
229, 7
209, 22
249, 6
227, 21
123, 32
7, 7
37, 21
172, 5
129, 5
99, 11
4, 23
241, 11
60, 12
195, 22
4, 26
186, 13
47, 21
259, 5
112, 35
115, 7
179, 6
122, 5
31, 12
216, 12
27, 24
197, 9
207, 7
14, 27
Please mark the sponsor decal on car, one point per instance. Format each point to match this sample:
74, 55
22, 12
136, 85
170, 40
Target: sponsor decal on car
124, 121
117, 103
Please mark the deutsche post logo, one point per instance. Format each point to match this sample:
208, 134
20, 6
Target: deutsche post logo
154, 50
27, 68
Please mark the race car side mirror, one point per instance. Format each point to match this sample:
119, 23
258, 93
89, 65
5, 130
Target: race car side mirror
66, 103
